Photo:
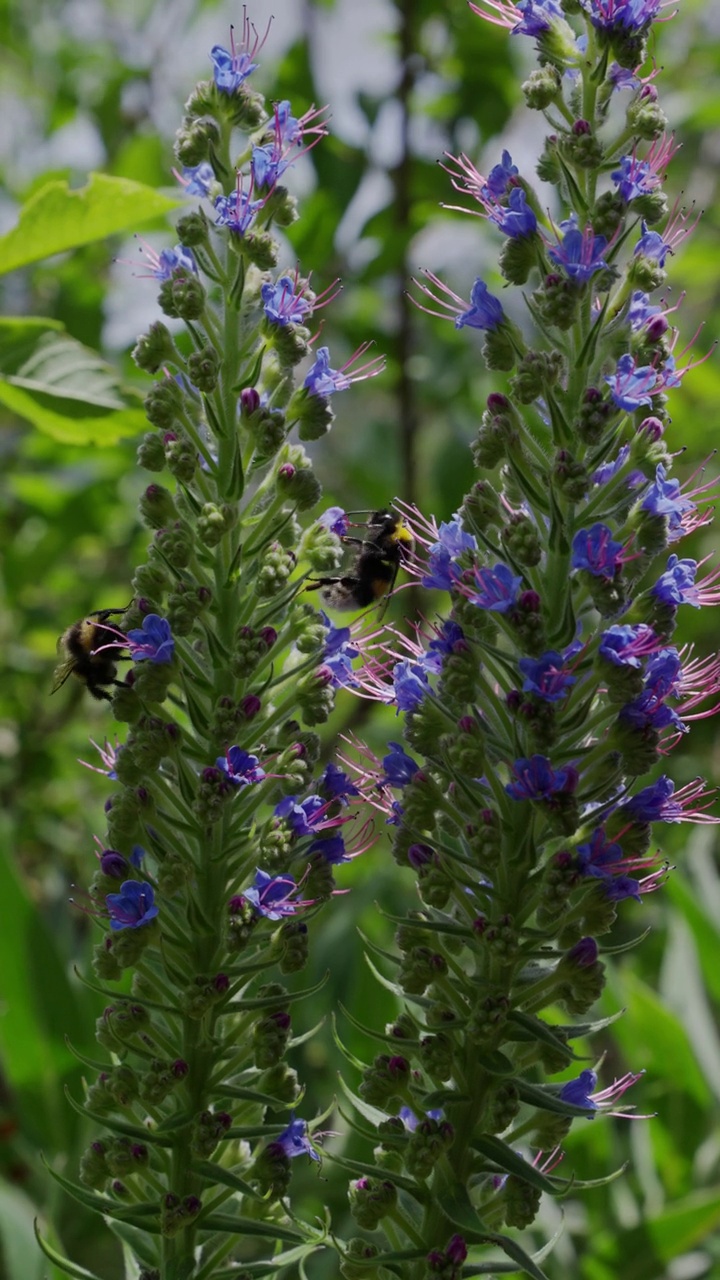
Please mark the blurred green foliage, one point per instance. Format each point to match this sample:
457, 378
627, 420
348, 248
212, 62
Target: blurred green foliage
98, 85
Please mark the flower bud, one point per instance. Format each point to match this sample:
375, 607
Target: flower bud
155, 348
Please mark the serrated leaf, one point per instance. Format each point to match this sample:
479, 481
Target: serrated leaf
57, 217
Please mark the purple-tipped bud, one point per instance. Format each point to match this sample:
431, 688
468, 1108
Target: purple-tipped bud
513, 700
497, 403
286, 471
656, 328
648, 93
581, 128
652, 427
529, 601
456, 1250
179, 1068
584, 953
113, 864
467, 724
221, 982
250, 705
249, 401
269, 635
419, 855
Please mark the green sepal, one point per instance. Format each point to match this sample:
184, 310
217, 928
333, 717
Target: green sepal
87, 1062
120, 995
494, 1061
274, 1002
397, 1255
537, 1030
137, 1239
403, 996
380, 951
249, 1095
270, 1267
370, 1135
368, 1112
589, 347
437, 926
443, 1098
459, 1210
103, 1204
250, 373
247, 1227
383, 1036
583, 1029
627, 946
213, 1173
117, 1126
577, 200
535, 1096
64, 1264
508, 1160
347, 1055
363, 1170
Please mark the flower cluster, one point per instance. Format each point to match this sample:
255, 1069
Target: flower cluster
224, 835
527, 785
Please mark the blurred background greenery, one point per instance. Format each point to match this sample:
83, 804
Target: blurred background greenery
100, 84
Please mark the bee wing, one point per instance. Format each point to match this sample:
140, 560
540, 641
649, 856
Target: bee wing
62, 673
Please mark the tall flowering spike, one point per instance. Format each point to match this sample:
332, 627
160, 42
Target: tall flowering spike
224, 834
523, 791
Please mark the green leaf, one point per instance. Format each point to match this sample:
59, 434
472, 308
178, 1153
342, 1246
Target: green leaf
57, 218
64, 1264
64, 388
19, 1259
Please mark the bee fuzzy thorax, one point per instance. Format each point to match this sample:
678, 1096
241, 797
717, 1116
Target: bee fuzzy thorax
372, 574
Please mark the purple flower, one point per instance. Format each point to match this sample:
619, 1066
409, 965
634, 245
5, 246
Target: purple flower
537, 17
449, 639
501, 175
232, 68
633, 178
410, 683
171, 260
321, 380
302, 818
338, 654
152, 641
336, 784
652, 245
579, 253
577, 1092
398, 767
237, 211
610, 469
545, 676
641, 310
517, 219
626, 646
335, 520
595, 551
677, 584
497, 588
133, 906
632, 388
535, 779
271, 895
484, 312
621, 15
282, 304
240, 767
664, 498
443, 571
294, 1141
332, 849
197, 180
654, 803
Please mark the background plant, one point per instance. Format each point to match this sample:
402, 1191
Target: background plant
63, 508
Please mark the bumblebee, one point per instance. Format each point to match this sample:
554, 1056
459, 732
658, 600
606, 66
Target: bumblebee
80, 644
387, 546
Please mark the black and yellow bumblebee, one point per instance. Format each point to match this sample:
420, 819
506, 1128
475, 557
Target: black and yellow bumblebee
80, 644
372, 576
